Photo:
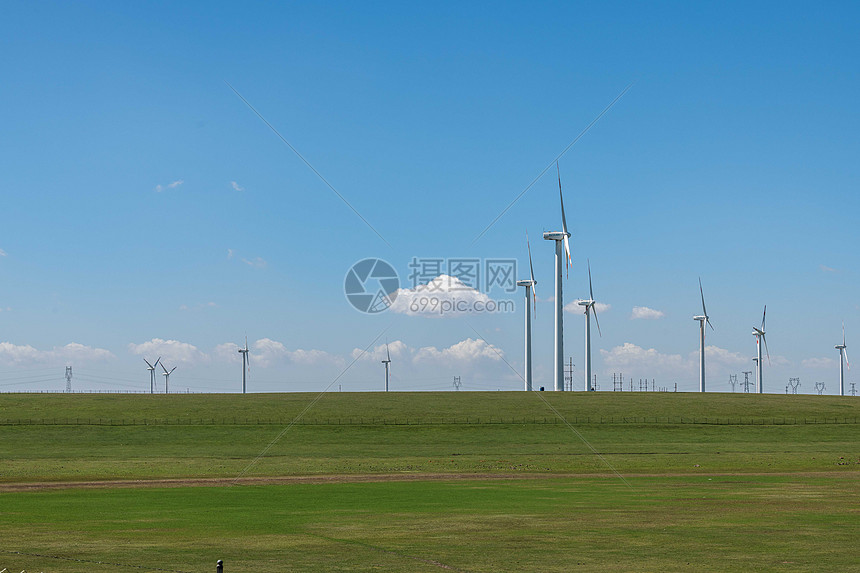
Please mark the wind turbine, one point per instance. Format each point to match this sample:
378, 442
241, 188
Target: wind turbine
530, 294
843, 356
151, 368
589, 306
702, 320
759, 340
387, 363
167, 378
245, 360
560, 238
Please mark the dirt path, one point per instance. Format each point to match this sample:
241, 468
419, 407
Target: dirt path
367, 478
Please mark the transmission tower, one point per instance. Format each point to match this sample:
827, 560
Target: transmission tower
568, 376
617, 383
820, 387
594, 384
853, 389
794, 383
733, 381
457, 383
747, 382
68, 378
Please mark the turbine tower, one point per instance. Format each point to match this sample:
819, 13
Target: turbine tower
387, 363
562, 248
151, 368
843, 357
589, 307
759, 340
167, 378
244, 353
530, 295
702, 320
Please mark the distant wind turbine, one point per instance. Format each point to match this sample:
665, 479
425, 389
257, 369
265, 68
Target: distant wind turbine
387, 363
167, 378
843, 357
531, 299
562, 248
702, 320
759, 341
151, 368
589, 307
245, 361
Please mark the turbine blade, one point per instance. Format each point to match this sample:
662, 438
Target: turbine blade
597, 322
163, 368
702, 292
764, 339
157, 361
762, 317
171, 370
843, 333
590, 290
151, 367
563, 218
708, 320
387, 353
845, 354
531, 267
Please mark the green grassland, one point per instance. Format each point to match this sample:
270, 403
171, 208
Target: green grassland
715, 482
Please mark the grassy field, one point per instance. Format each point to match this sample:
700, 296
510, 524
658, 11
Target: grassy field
713, 482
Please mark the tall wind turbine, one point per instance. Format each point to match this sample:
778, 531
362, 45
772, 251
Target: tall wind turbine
167, 378
387, 363
759, 340
702, 320
560, 238
843, 357
244, 353
530, 294
151, 368
589, 307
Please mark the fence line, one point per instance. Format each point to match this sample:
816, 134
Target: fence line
420, 421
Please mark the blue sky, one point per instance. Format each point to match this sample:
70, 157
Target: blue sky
148, 211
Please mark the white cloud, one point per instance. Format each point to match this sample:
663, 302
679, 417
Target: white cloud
230, 253
645, 313
827, 269
574, 307
18, 355
397, 349
819, 363
227, 352
159, 188
236, 186
468, 350
465, 351
632, 357
721, 356
171, 351
2, 253
257, 263
443, 296
266, 352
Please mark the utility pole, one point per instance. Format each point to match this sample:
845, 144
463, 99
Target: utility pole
68, 378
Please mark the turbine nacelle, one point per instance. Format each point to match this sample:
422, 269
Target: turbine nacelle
526, 283
556, 235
